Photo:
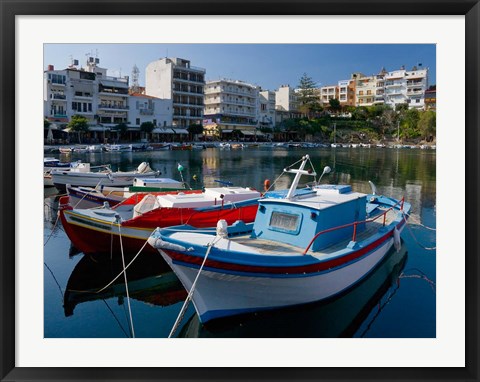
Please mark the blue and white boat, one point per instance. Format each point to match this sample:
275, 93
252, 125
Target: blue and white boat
306, 245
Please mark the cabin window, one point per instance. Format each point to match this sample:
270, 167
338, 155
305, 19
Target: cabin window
284, 222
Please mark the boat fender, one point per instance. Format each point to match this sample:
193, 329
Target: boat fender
266, 184
142, 167
396, 239
158, 243
222, 228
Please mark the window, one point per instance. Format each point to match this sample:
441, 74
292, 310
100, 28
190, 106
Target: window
285, 222
137, 121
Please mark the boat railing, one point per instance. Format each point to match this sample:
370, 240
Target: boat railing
356, 223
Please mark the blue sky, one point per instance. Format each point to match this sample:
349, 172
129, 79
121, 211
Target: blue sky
266, 65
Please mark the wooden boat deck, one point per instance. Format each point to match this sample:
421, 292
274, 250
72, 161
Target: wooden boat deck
269, 247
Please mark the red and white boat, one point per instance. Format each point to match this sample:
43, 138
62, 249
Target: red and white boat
128, 225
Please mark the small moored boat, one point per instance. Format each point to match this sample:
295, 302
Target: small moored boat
306, 245
81, 175
90, 197
127, 226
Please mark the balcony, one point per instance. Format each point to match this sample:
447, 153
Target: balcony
415, 83
187, 92
146, 112
415, 92
393, 84
58, 97
112, 94
184, 116
103, 106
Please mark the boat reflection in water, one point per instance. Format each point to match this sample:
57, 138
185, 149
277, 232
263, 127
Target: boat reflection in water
338, 317
149, 280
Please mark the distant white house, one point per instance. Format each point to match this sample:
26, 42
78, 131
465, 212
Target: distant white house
143, 108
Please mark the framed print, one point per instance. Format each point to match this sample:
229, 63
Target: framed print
34, 348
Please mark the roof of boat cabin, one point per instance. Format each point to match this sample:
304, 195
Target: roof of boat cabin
321, 197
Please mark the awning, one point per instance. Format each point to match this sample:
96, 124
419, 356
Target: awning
247, 132
226, 131
158, 130
98, 128
180, 131
259, 133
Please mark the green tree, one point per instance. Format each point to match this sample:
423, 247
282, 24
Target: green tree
147, 128
46, 123
409, 124
308, 95
427, 125
335, 104
79, 124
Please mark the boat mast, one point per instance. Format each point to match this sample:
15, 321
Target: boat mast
299, 172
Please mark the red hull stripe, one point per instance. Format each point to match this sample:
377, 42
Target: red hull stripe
303, 269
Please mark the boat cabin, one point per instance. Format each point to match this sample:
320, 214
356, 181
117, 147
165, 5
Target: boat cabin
298, 219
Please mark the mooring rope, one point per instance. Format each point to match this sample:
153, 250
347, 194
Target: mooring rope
116, 319
53, 229
55, 279
192, 289
415, 238
418, 223
126, 282
88, 193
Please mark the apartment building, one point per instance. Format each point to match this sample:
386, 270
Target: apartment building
266, 112
365, 89
144, 108
231, 109
417, 83
87, 91
327, 93
286, 99
177, 79
346, 92
430, 99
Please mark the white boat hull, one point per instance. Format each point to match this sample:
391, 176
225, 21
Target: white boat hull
219, 294
61, 179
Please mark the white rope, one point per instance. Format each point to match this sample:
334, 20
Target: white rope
192, 289
84, 196
126, 283
415, 238
418, 223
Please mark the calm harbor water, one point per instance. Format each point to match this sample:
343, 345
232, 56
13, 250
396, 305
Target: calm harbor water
397, 300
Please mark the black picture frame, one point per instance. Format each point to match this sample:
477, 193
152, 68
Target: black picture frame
12, 8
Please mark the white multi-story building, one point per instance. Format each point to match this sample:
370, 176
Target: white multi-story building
395, 87
417, 84
88, 91
177, 79
286, 99
266, 113
327, 93
403, 86
143, 108
231, 106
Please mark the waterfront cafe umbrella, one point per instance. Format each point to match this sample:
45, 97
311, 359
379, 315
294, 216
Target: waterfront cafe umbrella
50, 135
